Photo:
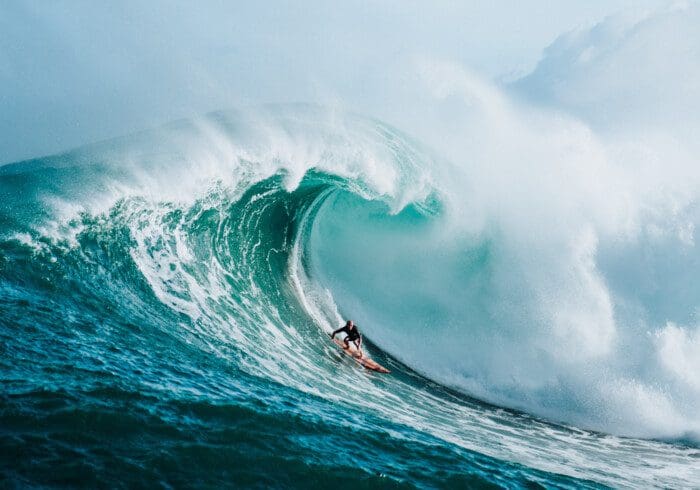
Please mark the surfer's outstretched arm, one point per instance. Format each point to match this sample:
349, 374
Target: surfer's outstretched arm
336, 331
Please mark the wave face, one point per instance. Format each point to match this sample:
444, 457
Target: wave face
166, 299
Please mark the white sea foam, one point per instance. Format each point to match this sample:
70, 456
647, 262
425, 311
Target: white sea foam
589, 225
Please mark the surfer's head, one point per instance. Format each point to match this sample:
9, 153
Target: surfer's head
349, 324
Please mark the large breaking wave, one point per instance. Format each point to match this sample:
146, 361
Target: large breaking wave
247, 236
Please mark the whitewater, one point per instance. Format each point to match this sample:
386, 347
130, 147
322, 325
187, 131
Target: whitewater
166, 299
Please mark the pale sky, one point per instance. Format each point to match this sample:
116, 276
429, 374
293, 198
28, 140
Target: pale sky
73, 72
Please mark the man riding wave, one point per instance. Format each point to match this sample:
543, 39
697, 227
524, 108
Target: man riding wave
352, 335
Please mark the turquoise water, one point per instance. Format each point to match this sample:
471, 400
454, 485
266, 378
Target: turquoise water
165, 300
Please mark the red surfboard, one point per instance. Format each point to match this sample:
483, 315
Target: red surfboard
362, 360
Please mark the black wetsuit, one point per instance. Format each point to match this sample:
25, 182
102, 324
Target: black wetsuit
353, 334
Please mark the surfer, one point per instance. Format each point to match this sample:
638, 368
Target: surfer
352, 335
